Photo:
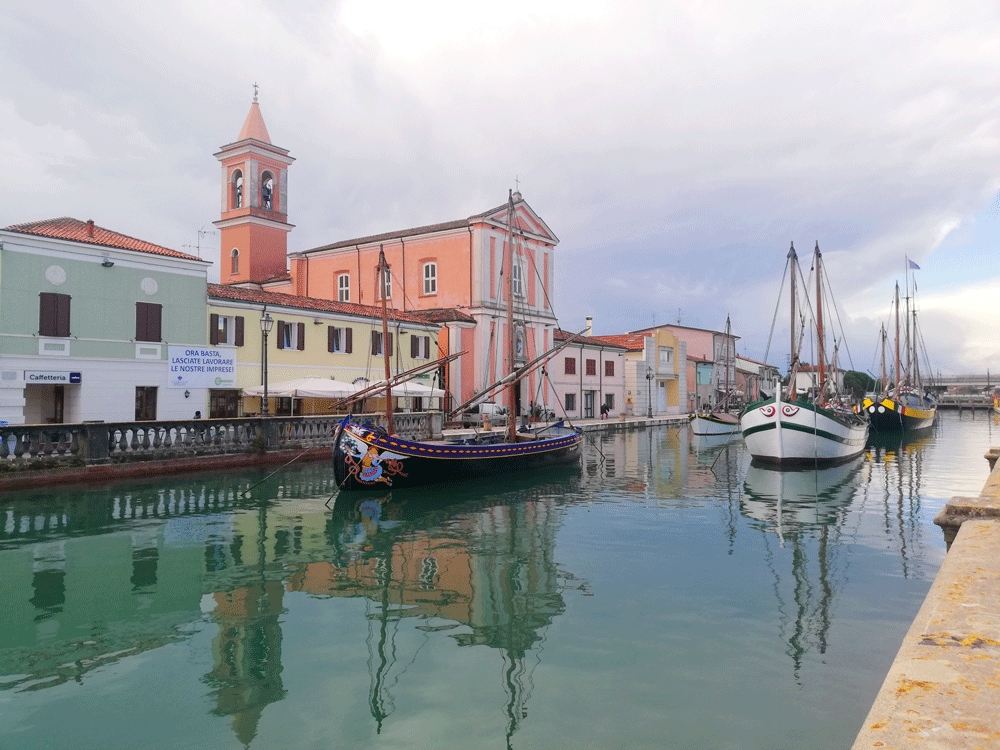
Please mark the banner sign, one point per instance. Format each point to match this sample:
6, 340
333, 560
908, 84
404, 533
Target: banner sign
47, 376
201, 367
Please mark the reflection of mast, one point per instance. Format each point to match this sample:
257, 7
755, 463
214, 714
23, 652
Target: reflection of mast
379, 701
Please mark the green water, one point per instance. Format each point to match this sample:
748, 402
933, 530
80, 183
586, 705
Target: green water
665, 594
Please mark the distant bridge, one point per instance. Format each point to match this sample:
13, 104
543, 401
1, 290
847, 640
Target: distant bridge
968, 381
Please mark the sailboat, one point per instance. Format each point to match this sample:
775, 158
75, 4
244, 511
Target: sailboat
790, 430
720, 420
368, 457
907, 406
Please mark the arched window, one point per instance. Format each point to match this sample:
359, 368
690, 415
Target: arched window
266, 191
237, 189
235, 257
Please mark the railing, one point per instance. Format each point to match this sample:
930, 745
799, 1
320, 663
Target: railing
965, 401
92, 443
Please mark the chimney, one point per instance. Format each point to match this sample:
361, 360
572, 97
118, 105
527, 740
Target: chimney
90, 227
590, 324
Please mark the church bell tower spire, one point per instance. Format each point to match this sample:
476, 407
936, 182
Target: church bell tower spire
254, 222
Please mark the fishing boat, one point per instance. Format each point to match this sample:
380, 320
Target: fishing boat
814, 428
371, 457
907, 406
720, 420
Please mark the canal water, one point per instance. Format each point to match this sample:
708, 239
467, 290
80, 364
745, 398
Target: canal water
664, 594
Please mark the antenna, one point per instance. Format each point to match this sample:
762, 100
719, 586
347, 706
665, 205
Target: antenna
201, 233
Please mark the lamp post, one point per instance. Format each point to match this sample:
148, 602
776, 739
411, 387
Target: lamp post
649, 391
266, 321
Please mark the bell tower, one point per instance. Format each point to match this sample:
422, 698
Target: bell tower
254, 222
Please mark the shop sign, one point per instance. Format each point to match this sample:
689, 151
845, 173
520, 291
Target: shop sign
48, 376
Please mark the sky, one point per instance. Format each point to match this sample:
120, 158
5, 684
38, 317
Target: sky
675, 148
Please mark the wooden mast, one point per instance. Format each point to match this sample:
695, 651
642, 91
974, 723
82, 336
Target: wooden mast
896, 371
819, 323
511, 428
792, 354
380, 276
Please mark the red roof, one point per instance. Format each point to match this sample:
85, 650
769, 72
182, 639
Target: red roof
253, 126
66, 228
256, 296
561, 335
634, 342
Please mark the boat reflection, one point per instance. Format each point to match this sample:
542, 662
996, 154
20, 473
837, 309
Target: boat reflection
805, 510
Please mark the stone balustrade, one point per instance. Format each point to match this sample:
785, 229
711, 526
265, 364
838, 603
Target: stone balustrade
96, 443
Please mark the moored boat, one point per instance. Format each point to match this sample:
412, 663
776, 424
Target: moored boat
809, 429
720, 420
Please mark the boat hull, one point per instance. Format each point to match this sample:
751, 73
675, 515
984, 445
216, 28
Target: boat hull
889, 415
367, 459
715, 424
790, 434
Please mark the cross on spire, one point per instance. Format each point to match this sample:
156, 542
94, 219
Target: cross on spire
255, 91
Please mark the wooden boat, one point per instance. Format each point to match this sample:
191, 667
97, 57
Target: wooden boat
907, 406
366, 457
720, 420
815, 429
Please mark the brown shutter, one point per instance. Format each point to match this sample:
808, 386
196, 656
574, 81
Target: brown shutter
390, 345
213, 329
414, 347
238, 340
140, 321
62, 314
348, 340
427, 347
300, 343
375, 335
155, 322
329, 339
281, 334
46, 314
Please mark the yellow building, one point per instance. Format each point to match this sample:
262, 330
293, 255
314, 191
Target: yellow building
311, 338
655, 372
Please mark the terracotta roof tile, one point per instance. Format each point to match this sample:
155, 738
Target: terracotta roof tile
561, 335
66, 228
256, 296
634, 342
445, 315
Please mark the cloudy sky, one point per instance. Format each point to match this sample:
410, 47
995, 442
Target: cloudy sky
675, 148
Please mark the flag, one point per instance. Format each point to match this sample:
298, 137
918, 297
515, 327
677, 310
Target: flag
912, 264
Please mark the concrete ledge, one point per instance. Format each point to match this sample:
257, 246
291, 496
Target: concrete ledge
943, 689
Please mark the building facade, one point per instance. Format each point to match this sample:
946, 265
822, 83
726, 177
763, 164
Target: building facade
585, 375
88, 321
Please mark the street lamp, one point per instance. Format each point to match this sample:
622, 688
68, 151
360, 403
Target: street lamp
266, 321
649, 391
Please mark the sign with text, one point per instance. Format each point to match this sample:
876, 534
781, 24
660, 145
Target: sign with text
201, 367
47, 376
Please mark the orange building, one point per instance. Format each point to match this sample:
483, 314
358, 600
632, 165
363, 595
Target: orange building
453, 271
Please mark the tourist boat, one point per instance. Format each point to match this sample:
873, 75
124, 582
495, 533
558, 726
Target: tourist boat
907, 406
816, 428
720, 420
369, 457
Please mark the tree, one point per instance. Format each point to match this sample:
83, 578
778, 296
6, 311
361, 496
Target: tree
858, 383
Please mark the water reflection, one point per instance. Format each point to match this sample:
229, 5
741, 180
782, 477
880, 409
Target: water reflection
89, 581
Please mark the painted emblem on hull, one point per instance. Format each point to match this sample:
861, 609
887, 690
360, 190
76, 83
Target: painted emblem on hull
789, 411
366, 464
767, 411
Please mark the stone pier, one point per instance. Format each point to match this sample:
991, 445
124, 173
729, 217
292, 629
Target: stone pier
943, 689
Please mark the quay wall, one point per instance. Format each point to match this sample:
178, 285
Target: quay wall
943, 689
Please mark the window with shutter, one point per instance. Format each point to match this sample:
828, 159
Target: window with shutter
53, 314
609, 368
591, 366
148, 317
570, 366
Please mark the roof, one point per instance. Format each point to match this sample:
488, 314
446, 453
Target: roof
253, 126
561, 335
445, 315
417, 231
674, 326
633, 342
66, 228
258, 297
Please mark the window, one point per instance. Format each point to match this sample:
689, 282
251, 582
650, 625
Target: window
387, 289
234, 257
666, 355
515, 280
147, 321
291, 335
420, 347
377, 343
225, 329
237, 189
609, 368
570, 402
344, 288
570, 366
53, 314
430, 278
591, 366
339, 340
609, 401
145, 403
266, 191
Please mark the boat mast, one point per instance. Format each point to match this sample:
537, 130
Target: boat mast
380, 274
884, 387
726, 364
819, 322
896, 371
510, 316
793, 357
